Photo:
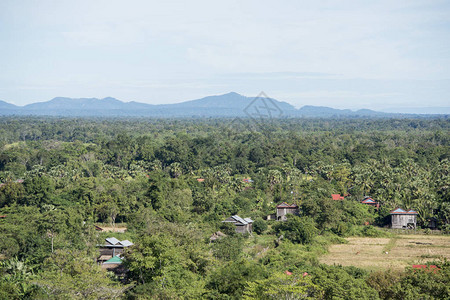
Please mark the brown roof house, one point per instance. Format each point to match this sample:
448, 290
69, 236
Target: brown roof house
242, 225
285, 209
402, 219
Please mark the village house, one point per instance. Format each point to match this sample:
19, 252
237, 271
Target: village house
402, 219
285, 209
369, 201
112, 248
242, 225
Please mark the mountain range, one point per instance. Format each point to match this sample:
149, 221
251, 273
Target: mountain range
227, 105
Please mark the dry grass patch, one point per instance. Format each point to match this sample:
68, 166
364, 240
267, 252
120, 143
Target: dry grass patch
402, 251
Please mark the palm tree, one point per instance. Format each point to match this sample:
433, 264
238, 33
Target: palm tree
274, 177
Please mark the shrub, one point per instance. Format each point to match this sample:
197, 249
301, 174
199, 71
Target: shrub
259, 226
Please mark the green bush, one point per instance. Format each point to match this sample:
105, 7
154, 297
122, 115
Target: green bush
297, 229
259, 226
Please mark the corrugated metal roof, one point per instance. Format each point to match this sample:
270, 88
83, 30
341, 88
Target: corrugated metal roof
239, 219
112, 241
248, 220
401, 211
126, 243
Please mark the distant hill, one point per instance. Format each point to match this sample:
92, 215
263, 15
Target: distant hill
6, 105
8, 108
227, 105
419, 110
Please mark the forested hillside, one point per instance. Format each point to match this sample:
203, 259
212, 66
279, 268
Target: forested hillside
173, 181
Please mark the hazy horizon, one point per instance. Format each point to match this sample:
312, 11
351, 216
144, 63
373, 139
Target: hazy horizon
341, 54
408, 110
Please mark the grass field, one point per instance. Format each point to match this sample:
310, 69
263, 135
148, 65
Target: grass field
382, 253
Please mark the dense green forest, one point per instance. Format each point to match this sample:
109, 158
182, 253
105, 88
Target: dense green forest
60, 176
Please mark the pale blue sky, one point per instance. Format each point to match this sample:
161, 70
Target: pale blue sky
343, 54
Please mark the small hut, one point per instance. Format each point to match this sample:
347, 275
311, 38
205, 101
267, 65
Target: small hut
112, 248
242, 225
402, 219
285, 209
371, 202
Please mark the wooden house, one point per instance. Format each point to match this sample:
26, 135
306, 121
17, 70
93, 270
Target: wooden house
402, 219
371, 202
285, 209
242, 225
111, 248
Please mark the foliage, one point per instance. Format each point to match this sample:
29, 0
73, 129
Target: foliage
74, 275
413, 283
297, 229
173, 182
282, 286
259, 226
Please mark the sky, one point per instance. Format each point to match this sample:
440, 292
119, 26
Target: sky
382, 55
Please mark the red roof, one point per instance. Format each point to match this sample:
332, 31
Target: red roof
424, 266
288, 273
200, 179
337, 197
433, 268
4, 216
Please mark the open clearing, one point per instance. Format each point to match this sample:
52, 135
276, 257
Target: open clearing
402, 251
120, 228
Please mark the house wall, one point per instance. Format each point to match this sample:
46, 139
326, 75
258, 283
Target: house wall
271, 217
242, 228
111, 251
282, 212
401, 221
